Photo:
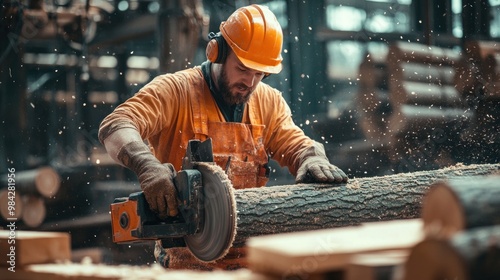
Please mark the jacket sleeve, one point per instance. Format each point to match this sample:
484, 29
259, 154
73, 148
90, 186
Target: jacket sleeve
148, 111
286, 143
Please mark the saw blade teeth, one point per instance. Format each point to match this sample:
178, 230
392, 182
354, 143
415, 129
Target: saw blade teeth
218, 234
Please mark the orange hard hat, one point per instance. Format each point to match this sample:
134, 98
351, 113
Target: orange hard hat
255, 36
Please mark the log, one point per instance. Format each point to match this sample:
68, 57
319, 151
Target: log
300, 207
33, 247
412, 52
492, 67
44, 181
423, 94
472, 68
303, 207
461, 204
10, 213
423, 73
472, 254
410, 118
34, 211
477, 51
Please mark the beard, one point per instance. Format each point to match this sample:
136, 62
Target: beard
233, 94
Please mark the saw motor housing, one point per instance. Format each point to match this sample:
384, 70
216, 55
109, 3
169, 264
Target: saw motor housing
133, 221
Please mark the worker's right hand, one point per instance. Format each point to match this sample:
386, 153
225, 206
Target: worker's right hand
156, 179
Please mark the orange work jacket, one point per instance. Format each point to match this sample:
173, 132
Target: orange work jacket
174, 108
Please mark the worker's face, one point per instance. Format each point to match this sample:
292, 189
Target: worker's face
237, 82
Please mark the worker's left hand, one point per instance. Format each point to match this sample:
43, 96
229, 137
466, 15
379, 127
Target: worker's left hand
320, 170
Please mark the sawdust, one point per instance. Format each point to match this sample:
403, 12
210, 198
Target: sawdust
353, 184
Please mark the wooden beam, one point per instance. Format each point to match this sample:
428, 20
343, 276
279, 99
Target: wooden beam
32, 247
314, 252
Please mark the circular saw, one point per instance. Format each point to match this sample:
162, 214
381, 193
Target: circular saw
218, 227
206, 223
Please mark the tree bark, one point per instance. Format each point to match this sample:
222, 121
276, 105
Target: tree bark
472, 254
456, 205
303, 207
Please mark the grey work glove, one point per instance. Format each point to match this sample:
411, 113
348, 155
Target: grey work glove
156, 179
317, 169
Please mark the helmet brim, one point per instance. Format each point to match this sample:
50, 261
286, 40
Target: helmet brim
261, 67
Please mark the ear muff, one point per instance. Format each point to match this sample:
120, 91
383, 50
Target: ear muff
216, 48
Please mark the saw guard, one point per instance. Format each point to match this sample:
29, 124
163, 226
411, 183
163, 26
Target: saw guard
218, 231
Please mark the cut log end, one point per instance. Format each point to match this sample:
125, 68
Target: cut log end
47, 181
34, 211
10, 199
434, 259
442, 212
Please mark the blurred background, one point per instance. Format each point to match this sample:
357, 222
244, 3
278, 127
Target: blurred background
388, 86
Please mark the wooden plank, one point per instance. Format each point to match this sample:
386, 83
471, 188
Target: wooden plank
32, 247
375, 266
319, 251
89, 271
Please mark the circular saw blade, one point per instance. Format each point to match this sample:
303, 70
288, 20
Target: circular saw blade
218, 231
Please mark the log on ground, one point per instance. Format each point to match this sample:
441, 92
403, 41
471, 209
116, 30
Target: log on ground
455, 205
303, 207
44, 181
472, 254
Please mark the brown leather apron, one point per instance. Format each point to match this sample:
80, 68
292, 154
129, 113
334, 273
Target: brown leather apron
237, 147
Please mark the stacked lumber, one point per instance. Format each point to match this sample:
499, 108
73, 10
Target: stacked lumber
427, 110
492, 75
421, 77
373, 96
28, 190
475, 67
457, 237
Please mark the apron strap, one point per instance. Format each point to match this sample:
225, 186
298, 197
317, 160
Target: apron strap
200, 117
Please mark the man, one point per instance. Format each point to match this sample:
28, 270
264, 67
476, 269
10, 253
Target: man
222, 99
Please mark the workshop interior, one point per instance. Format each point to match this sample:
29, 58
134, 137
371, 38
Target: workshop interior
387, 86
